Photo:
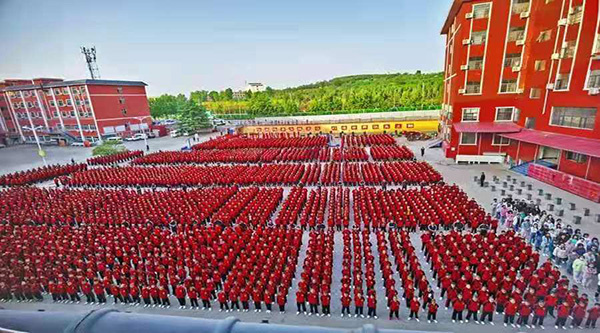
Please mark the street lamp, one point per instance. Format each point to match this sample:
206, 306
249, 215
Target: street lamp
41, 152
145, 136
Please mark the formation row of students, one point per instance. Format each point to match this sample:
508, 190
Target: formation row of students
266, 140
115, 158
357, 246
499, 272
40, 174
438, 205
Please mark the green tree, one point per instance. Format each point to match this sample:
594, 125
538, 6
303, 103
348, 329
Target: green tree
193, 117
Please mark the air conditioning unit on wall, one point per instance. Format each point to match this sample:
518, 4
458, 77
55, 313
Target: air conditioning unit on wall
524, 15
516, 68
461, 91
550, 86
467, 41
520, 42
594, 91
464, 67
469, 16
563, 22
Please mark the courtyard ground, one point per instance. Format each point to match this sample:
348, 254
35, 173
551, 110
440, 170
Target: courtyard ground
23, 157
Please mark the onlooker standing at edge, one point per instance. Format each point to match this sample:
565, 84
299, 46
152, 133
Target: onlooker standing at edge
482, 179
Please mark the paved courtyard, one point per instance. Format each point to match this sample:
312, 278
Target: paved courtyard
23, 157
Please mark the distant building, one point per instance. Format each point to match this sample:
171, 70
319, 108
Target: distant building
78, 110
237, 95
255, 87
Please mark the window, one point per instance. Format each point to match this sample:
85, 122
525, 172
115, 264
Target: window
544, 36
57, 92
596, 49
65, 91
410, 125
594, 79
375, 126
478, 37
540, 65
386, 126
508, 86
505, 113
75, 90
470, 114
69, 102
568, 50
516, 33
583, 118
575, 157
72, 113
124, 112
530, 122
29, 104
16, 105
47, 92
468, 139
473, 87
481, 11
120, 90
535, 93
475, 62
520, 6
512, 60
498, 140
344, 128
575, 15
61, 102
353, 127
121, 100
562, 82
364, 127
398, 126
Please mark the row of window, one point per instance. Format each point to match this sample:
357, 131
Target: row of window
60, 102
470, 139
574, 117
48, 92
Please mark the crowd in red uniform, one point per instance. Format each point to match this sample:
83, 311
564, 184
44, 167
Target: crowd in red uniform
268, 174
500, 273
352, 281
392, 152
40, 174
235, 141
242, 155
368, 140
440, 205
115, 158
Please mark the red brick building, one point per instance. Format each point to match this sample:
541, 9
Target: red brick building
522, 83
80, 110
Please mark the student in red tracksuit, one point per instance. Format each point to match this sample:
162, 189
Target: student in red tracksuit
395, 308
257, 298
222, 298
180, 294
510, 310
562, 313
472, 309
116, 293
268, 299
345, 300
234, 299
146, 296
359, 304
414, 309
432, 311
245, 298
193, 295
578, 314
326, 304
539, 313
134, 291
550, 302
281, 302
164, 297
458, 306
86, 289
524, 313
155, 296
313, 302
205, 297
99, 291
301, 302
372, 306
593, 314
125, 294
488, 311
72, 291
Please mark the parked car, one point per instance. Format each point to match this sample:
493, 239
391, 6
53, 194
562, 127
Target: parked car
175, 133
78, 144
137, 137
114, 139
151, 135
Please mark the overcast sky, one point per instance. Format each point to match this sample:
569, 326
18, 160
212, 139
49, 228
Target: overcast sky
180, 46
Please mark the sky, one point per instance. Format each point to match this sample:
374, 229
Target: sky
181, 46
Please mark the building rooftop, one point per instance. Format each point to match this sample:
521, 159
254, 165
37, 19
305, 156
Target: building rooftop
451, 14
76, 83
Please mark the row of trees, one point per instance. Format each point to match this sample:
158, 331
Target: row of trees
192, 115
350, 93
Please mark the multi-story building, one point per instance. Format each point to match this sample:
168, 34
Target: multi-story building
522, 83
79, 110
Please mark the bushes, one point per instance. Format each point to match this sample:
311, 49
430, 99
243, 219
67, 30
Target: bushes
108, 148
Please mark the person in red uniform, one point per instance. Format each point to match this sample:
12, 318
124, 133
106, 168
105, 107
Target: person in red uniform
281, 300
72, 291
86, 289
372, 306
124, 293
345, 300
550, 302
562, 313
539, 313
244, 298
458, 306
268, 299
154, 294
432, 311
116, 293
99, 291
472, 309
222, 298
180, 294
234, 299
414, 308
524, 313
301, 302
205, 297
326, 304
578, 314
146, 296
395, 308
359, 304
164, 297
487, 310
193, 295
510, 310
593, 314
257, 298
134, 291
313, 302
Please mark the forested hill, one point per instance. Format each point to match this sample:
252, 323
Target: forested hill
356, 93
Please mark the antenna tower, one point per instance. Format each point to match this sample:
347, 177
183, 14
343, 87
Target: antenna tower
90, 59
